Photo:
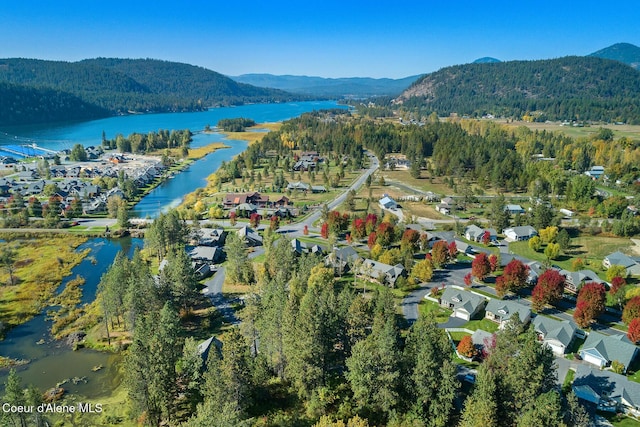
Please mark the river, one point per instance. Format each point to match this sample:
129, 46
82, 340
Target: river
53, 362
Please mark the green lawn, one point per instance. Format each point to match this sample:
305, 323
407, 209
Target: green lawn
441, 314
484, 324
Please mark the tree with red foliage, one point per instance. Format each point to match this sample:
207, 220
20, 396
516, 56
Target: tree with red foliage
305, 230
453, 250
358, 229
324, 230
480, 267
548, 290
370, 223
409, 241
274, 224
468, 279
502, 287
631, 310
254, 220
385, 234
372, 239
466, 347
590, 303
493, 262
486, 237
516, 274
634, 330
233, 218
440, 253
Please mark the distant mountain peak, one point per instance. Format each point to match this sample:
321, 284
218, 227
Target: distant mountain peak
623, 52
486, 60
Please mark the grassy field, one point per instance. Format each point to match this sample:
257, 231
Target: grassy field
591, 249
441, 314
629, 131
40, 265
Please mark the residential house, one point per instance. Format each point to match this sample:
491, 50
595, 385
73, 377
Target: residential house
318, 189
341, 259
476, 234
250, 237
618, 258
255, 198
501, 311
446, 206
558, 335
209, 237
465, 305
608, 391
282, 201
203, 254
300, 247
575, 279
515, 234
388, 203
298, 186
601, 350
514, 209
383, 273
595, 172
204, 348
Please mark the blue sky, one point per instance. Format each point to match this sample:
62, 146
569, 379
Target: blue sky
317, 38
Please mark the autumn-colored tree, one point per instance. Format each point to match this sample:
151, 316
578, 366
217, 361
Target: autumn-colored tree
409, 241
324, 230
358, 229
384, 234
480, 266
535, 243
631, 310
552, 250
372, 239
502, 286
577, 264
486, 237
548, 290
617, 292
468, 279
274, 223
515, 275
440, 253
493, 262
254, 220
590, 303
616, 271
453, 250
466, 347
423, 270
233, 218
305, 230
634, 330
370, 223
548, 235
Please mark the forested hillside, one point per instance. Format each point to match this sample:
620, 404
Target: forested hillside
339, 87
623, 52
115, 86
26, 105
570, 88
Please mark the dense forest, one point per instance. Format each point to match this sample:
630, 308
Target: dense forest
623, 52
26, 105
117, 86
570, 88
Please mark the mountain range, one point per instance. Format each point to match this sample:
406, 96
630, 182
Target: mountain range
35, 90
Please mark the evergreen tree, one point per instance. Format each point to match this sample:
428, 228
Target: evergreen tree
481, 408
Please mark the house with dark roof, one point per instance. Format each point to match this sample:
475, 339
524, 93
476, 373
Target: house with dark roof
465, 305
608, 391
558, 335
476, 234
203, 254
575, 279
618, 258
601, 350
235, 199
250, 237
341, 259
300, 247
514, 209
501, 311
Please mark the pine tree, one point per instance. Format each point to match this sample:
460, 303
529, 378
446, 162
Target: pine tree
481, 408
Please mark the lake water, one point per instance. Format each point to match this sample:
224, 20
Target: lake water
53, 362
61, 136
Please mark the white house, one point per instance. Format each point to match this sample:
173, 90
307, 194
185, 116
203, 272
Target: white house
601, 350
387, 203
557, 334
465, 305
515, 234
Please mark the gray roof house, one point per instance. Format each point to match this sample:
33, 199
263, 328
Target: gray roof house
465, 305
557, 334
250, 237
341, 258
524, 232
300, 247
500, 311
383, 273
476, 234
574, 279
618, 258
601, 350
609, 391
387, 203
514, 209
203, 254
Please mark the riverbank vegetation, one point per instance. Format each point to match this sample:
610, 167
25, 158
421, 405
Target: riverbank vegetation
33, 268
